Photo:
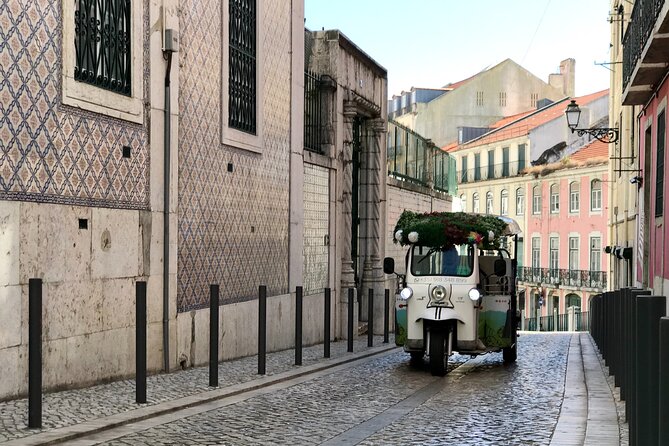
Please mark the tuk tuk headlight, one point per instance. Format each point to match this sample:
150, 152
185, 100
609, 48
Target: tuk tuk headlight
406, 293
474, 294
438, 293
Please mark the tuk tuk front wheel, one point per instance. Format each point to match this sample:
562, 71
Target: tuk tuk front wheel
510, 353
438, 349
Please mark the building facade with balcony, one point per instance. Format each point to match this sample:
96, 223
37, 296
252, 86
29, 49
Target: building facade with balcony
566, 232
644, 93
531, 164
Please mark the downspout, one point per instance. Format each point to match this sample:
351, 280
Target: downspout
166, 216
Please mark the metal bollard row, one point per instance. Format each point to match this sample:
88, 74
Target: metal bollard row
35, 337
627, 327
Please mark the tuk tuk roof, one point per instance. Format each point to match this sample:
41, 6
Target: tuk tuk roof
444, 229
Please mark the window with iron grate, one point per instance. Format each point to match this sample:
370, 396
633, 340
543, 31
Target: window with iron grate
242, 66
102, 38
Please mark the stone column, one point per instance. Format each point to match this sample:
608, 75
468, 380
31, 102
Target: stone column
375, 212
347, 274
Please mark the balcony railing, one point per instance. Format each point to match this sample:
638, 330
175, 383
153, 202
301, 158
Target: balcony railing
415, 159
563, 277
644, 16
483, 173
550, 323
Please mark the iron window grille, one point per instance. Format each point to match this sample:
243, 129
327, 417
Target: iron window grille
102, 44
312, 112
242, 65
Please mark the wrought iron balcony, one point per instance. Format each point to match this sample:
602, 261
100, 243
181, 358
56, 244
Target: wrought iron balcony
649, 65
483, 173
563, 277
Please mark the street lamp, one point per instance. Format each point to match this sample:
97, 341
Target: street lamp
604, 134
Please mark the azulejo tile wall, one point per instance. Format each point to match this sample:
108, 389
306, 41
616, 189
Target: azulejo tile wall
50, 152
316, 228
233, 226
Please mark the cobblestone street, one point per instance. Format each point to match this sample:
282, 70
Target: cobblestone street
374, 400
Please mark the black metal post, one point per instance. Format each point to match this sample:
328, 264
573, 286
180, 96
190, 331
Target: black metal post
370, 318
35, 353
632, 395
213, 335
610, 331
624, 343
649, 311
298, 325
617, 336
262, 328
326, 323
386, 315
664, 380
140, 341
350, 319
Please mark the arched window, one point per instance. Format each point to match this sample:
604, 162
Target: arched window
463, 202
555, 198
573, 300
595, 195
574, 197
504, 203
475, 202
488, 203
536, 200
520, 201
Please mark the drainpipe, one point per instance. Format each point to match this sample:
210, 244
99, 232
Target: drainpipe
167, 54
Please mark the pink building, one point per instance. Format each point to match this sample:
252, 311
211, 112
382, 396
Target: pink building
566, 232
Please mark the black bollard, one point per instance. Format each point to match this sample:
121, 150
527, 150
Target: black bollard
624, 343
326, 324
370, 318
617, 336
262, 328
213, 335
298, 325
386, 315
632, 396
649, 311
140, 341
664, 380
350, 320
35, 353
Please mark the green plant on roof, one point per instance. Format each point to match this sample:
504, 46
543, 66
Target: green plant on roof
442, 230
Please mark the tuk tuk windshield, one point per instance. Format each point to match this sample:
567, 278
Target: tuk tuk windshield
458, 260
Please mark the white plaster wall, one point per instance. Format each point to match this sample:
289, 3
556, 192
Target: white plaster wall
238, 329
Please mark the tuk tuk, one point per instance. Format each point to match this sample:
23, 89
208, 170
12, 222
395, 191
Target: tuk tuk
458, 293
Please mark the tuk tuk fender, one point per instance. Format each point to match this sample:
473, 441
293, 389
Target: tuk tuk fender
439, 314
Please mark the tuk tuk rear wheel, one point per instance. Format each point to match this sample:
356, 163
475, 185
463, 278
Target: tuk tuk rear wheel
416, 358
438, 357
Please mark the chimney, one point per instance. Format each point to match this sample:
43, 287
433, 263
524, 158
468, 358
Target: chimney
565, 80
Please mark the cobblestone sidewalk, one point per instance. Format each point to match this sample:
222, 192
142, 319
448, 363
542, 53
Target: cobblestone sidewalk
72, 407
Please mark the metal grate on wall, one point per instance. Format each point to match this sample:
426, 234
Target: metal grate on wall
102, 44
242, 78
316, 228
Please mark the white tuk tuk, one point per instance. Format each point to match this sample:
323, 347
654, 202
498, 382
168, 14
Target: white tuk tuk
459, 289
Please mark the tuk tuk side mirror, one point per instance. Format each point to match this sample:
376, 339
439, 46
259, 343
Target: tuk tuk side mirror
389, 265
500, 267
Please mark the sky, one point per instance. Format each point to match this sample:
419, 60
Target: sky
430, 43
